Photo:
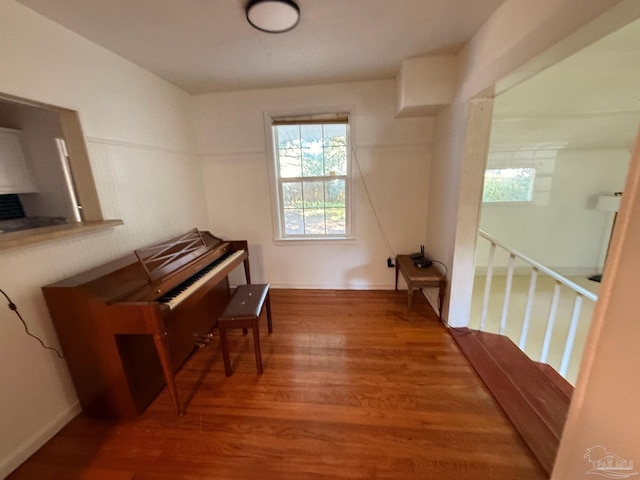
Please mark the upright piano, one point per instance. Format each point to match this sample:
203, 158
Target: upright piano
126, 327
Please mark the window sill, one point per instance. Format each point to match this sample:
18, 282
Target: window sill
44, 234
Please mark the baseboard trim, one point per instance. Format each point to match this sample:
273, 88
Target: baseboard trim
32, 444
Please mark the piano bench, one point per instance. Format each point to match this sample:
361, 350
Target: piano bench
243, 311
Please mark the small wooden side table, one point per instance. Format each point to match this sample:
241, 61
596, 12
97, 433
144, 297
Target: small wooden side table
420, 277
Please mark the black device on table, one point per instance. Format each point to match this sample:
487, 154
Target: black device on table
421, 260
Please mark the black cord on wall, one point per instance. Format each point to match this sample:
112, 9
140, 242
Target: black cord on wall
12, 306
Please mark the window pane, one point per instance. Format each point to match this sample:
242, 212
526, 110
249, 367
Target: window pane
311, 140
293, 221
336, 221
335, 149
335, 134
312, 162
314, 223
313, 195
289, 153
311, 134
292, 195
290, 163
508, 185
335, 161
288, 136
334, 193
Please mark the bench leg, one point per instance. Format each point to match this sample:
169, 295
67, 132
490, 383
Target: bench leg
224, 346
410, 301
256, 346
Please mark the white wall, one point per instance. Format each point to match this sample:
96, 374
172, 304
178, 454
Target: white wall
393, 157
566, 213
138, 130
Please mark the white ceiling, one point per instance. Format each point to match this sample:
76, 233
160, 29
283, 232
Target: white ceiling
589, 100
208, 46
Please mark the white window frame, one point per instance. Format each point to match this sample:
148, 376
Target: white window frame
279, 234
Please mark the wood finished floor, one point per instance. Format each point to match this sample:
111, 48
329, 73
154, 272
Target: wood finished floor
351, 389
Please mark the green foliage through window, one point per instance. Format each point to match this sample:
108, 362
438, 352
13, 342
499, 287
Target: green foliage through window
508, 185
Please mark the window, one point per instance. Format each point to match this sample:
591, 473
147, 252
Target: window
508, 185
311, 168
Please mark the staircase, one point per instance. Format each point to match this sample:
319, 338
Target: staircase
533, 396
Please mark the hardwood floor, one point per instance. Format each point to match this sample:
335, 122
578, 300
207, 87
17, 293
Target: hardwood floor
351, 389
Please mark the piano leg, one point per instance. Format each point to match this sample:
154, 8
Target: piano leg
247, 272
162, 348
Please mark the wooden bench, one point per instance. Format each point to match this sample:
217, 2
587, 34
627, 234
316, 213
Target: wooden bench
243, 311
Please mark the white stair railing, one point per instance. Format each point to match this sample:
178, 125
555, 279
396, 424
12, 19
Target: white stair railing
536, 269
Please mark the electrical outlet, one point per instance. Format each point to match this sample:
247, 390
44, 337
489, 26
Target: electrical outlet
390, 262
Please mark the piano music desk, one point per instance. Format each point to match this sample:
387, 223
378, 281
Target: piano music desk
420, 277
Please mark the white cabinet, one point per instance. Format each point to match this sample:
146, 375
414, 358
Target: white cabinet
15, 176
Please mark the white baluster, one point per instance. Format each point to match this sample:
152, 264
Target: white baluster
571, 335
507, 294
487, 287
527, 313
551, 322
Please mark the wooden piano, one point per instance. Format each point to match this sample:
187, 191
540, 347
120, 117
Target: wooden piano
127, 326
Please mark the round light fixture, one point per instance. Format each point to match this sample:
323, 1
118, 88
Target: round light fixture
273, 16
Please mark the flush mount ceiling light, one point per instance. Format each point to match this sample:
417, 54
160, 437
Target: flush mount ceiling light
273, 16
